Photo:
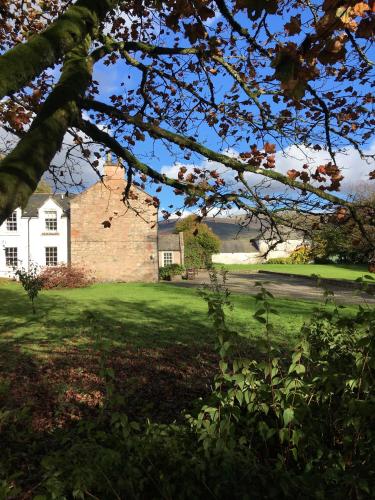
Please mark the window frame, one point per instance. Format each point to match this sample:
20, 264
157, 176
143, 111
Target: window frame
51, 260
170, 254
11, 260
50, 223
12, 222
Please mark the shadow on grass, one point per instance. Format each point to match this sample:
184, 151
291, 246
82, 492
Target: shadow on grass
162, 358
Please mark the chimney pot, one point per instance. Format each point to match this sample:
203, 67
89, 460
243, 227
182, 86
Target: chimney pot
113, 171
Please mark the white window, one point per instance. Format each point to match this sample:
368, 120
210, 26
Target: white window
167, 258
51, 221
12, 222
11, 256
51, 256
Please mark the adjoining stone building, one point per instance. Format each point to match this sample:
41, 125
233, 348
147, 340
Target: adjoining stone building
115, 241
171, 249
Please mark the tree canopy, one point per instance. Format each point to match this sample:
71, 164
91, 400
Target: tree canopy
227, 85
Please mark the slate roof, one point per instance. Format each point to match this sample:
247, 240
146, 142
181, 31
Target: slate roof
37, 200
234, 238
238, 246
169, 242
232, 229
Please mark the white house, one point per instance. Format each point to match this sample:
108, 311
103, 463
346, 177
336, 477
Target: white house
38, 235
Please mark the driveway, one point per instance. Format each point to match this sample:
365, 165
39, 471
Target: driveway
290, 287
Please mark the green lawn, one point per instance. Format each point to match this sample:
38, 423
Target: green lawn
139, 315
334, 271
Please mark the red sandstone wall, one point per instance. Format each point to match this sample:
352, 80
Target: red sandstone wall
125, 251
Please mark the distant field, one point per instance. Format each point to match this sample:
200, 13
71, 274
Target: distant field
333, 271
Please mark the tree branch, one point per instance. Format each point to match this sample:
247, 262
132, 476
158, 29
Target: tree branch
233, 163
22, 63
104, 138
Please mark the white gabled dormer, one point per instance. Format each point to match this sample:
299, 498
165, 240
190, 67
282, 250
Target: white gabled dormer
50, 215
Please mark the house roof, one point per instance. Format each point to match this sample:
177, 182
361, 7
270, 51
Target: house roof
238, 246
37, 200
224, 228
169, 242
234, 229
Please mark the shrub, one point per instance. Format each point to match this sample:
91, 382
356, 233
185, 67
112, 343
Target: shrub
278, 260
31, 282
171, 270
301, 255
64, 276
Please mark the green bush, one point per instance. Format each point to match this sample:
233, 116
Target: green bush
301, 255
278, 260
171, 270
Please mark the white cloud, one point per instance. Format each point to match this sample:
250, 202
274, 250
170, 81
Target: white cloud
354, 168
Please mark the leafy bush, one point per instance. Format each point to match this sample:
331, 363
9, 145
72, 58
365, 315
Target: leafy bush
64, 276
301, 255
171, 270
31, 281
342, 243
278, 260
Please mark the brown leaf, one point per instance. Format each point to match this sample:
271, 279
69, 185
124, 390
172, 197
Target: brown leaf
294, 25
292, 174
269, 148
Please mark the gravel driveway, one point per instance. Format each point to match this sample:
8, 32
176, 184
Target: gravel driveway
290, 287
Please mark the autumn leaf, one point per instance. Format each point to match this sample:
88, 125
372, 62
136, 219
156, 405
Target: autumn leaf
360, 9
366, 28
292, 174
195, 32
294, 25
269, 148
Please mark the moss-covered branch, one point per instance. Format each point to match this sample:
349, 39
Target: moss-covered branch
111, 45
25, 61
21, 170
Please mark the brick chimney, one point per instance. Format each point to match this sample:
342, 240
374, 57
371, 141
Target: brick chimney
113, 171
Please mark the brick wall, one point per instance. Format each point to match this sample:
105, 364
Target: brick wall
110, 239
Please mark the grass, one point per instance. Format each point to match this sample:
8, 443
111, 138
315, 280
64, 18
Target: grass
136, 314
333, 271
155, 338
139, 315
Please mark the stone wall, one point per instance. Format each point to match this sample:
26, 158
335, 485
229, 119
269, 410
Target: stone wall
110, 239
237, 258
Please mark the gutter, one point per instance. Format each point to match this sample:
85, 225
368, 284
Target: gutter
28, 243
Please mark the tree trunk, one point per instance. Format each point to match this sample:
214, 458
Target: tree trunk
22, 169
22, 63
